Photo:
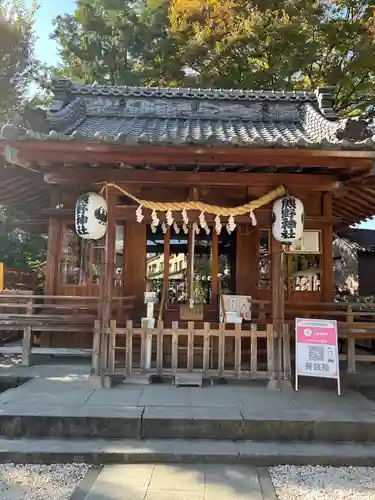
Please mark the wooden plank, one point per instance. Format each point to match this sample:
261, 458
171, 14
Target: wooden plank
26, 346
351, 354
167, 178
96, 349
111, 347
159, 348
221, 349
206, 348
237, 350
190, 349
48, 351
270, 352
254, 350
144, 333
129, 348
174, 361
286, 353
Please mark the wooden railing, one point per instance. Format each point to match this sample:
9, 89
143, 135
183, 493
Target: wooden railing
215, 352
356, 324
41, 313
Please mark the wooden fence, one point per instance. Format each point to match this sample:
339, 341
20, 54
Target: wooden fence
214, 352
22, 312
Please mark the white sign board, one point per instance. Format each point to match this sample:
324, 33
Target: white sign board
151, 297
317, 353
237, 308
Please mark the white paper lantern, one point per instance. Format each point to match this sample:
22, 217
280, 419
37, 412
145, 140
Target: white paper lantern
288, 218
91, 216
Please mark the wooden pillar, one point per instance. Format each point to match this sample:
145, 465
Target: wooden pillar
109, 257
215, 267
135, 262
277, 303
247, 260
52, 268
327, 274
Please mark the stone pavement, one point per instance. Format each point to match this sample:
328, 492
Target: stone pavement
60, 403
181, 482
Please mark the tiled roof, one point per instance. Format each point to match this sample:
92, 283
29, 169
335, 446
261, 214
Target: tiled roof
162, 116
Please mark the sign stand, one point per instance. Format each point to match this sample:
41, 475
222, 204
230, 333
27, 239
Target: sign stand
317, 353
150, 299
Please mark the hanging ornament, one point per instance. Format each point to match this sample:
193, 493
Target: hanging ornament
229, 231
139, 214
231, 223
207, 229
196, 228
218, 225
164, 228
176, 228
185, 228
153, 228
202, 220
169, 218
253, 218
185, 217
155, 218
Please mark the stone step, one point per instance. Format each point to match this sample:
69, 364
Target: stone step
259, 453
168, 422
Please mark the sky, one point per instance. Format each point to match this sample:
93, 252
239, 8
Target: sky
46, 49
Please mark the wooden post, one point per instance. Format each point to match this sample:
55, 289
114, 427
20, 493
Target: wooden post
2, 284
215, 268
108, 278
327, 275
277, 305
96, 349
26, 346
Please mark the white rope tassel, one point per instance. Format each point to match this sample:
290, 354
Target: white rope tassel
202, 220
253, 218
169, 218
196, 228
176, 228
139, 214
164, 228
185, 228
155, 218
185, 217
218, 225
231, 224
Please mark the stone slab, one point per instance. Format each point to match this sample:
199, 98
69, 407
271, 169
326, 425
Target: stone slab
266, 453
192, 423
115, 397
70, 422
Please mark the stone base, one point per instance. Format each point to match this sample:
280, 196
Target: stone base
95, 382
279, 385
141, 379
188, 380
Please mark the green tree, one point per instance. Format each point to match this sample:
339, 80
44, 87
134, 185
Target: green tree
17, 63
18, 248
286, 45
117, 42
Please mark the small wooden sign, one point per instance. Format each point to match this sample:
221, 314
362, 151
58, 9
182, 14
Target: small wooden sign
194, 313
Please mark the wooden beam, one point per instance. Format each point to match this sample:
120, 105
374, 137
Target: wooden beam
111, 147
128, 177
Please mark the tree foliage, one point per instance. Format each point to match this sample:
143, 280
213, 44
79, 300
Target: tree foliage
260, 44
18, 248
17, 63
117, 42
287, 45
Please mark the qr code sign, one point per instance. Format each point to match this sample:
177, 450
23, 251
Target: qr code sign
316, 353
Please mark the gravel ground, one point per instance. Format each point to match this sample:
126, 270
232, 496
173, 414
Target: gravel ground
39, 482
323, 483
